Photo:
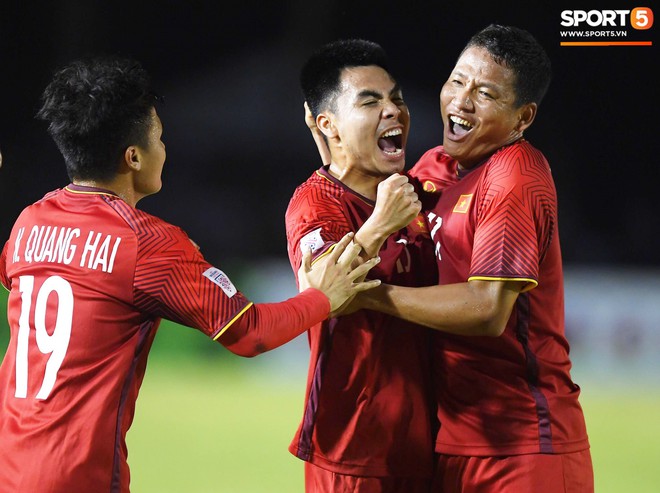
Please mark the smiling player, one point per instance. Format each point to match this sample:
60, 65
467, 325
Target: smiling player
509, 410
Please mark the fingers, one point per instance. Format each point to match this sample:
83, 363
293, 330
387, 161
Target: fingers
345, 251
397, 183
394, 180
364, 286
362, 269
306, 262
310, 121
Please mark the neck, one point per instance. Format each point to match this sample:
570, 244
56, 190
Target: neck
126, 193
514, 138
356, 180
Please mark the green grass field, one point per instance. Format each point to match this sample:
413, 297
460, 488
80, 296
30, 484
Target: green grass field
200, 429
210, 422
224, 426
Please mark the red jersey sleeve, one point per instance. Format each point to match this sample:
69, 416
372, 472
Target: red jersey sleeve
172, 279
516, 216
314, 218
266, 326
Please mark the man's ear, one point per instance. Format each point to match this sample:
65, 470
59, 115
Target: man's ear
132, 158
526, 116
325, 124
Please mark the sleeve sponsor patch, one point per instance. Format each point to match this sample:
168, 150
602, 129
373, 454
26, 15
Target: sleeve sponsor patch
221, 279
311, 240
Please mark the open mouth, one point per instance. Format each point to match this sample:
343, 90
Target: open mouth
391, 142
458, 126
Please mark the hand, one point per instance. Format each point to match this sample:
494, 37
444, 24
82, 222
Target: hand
350, 306
334, 275
397, 203
309, 119
319, 140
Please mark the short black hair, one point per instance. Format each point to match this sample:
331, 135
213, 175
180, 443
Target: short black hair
95, 109
321, 74
519, 51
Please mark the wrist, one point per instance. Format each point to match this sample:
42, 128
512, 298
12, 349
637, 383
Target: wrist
370, 238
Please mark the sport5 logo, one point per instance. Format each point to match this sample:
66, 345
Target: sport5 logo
639, 18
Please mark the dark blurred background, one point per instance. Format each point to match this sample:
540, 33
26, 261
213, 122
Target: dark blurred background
237, 147
233, 114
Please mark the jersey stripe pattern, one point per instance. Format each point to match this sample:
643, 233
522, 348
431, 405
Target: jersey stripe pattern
368, 407
511, 394
90, 279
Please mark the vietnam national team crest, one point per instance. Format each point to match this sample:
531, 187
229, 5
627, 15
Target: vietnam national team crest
463, 204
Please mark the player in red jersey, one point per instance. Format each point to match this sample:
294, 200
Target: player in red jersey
368, 414
90, 277
509, 410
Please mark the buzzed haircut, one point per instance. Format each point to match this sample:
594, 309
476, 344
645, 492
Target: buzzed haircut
518, 50
320, 76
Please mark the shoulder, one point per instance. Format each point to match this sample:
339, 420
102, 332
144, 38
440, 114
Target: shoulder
434, 170
522, 153
431, 158
319, 183
519, 162
318, 192
146, 227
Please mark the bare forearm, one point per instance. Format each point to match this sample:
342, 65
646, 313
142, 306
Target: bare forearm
474, 309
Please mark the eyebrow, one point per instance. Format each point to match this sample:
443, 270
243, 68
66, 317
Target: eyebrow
486, 84
371, 93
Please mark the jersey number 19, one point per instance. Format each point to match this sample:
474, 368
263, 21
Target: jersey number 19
56, 344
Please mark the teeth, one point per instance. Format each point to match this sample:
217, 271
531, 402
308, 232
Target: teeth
392, 133
460, 121
394, 153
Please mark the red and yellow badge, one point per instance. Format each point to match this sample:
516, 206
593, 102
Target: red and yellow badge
463, 204
429, 186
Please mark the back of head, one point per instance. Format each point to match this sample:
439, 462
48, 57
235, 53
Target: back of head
95, 109
518, 50
320, 76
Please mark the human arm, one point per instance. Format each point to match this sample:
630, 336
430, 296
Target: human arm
324, 287
474, 308
397, 204
175, 282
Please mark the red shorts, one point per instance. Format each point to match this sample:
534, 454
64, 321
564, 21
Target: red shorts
540, 473
319, 480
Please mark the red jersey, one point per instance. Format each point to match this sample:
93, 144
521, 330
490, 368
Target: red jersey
512, 394
368, 405
90, 278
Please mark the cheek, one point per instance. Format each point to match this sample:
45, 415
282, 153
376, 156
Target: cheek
445, 99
